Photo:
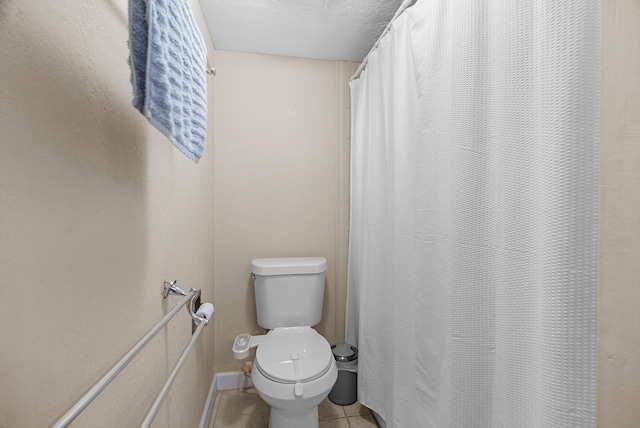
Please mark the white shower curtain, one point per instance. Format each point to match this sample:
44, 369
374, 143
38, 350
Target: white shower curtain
472, 271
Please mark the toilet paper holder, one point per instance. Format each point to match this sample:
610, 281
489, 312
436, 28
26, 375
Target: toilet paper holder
200, 314
171, 287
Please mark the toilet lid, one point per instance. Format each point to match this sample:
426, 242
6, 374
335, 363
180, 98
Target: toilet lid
293, 354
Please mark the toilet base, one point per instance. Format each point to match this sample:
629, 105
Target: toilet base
295, 406
304, 418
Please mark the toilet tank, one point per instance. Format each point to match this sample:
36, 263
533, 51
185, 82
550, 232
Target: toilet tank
289, 291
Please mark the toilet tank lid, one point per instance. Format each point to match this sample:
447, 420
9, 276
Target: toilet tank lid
288, 266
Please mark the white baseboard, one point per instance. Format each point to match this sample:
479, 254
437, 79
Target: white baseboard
232, 380
221, 382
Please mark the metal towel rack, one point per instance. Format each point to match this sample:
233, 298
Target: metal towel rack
169, 288
209, 69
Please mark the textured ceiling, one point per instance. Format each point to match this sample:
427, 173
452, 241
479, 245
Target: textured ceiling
323, 29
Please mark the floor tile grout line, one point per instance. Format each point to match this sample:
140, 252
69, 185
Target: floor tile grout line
333, 417
348, 422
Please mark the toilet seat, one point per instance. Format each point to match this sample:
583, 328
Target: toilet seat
293, 355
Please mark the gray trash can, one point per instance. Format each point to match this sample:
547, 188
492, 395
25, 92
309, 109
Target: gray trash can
345, 390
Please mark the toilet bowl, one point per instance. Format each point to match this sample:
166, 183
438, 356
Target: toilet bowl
294, 371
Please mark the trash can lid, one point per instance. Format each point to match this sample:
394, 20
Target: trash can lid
345, 352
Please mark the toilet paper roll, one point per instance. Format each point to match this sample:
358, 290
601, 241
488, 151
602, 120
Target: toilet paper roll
205, 310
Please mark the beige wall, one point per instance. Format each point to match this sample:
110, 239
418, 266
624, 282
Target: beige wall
280, 181
97, 208
619, 252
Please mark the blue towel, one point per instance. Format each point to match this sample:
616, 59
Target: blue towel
168, 62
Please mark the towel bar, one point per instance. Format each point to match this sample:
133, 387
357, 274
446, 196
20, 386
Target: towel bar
101, 384
209, 69
155, 407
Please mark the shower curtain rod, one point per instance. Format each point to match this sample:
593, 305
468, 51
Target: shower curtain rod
405, 4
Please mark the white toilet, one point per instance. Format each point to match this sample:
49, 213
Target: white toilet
294, 369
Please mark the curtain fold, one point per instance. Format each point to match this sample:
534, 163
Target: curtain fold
472, 261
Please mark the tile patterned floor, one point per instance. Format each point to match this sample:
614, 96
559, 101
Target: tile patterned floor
244, 408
